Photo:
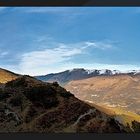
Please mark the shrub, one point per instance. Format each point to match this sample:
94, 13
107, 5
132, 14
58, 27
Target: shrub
30, 114
55, 84
3, 95
136, 126
39, 92
16, 101
43, 94
21, 82
66, 94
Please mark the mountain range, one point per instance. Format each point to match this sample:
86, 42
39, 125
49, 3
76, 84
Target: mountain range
112, 89
31, 105
81, 73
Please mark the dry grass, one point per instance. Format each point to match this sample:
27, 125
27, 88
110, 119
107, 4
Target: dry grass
123, 116
6, 76
118, 91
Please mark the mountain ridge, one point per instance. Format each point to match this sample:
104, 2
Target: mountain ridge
30, 105
6, 75
81, 73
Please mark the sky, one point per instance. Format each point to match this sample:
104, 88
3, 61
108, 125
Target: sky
43, 40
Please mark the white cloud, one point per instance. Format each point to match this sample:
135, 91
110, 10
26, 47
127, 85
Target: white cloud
99, 45
47, 60
32, 62
3, 53
68, 66
54, 58
42, 39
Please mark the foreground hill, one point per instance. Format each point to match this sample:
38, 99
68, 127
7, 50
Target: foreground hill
118, 91
6, 75
29, 105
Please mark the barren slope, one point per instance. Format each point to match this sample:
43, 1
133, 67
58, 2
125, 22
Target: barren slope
113, 91
6, 76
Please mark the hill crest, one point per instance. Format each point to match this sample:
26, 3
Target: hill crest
6, 75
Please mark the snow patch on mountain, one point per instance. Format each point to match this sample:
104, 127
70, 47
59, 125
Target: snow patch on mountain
104, 71
133, 71
90, 71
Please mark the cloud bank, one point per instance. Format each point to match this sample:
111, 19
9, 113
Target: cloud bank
54, 59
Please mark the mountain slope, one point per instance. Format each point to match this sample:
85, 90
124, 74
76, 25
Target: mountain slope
118, 91
123, 116
29, 105
6, 76
64, 77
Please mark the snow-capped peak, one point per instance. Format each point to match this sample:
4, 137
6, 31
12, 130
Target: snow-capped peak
133, 71
90, 71
104, 71
116, 72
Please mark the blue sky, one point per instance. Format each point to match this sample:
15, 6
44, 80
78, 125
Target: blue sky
44, 40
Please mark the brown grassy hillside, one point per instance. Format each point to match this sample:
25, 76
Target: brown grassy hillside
120, 91
6, 76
